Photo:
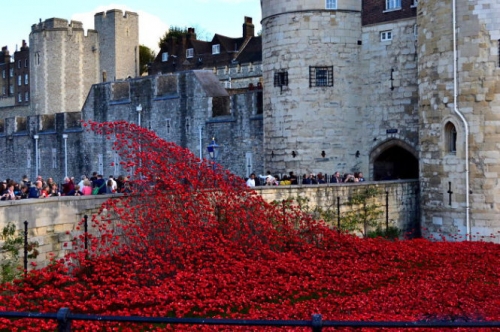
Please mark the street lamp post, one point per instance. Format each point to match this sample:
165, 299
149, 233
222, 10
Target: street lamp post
139, 111
65, 137
37, 157
213, 151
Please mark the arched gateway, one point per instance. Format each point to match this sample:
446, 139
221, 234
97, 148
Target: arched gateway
394, 159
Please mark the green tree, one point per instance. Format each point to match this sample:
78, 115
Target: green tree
146, 55
173, 31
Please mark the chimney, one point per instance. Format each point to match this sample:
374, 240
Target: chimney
248, 28
191, 34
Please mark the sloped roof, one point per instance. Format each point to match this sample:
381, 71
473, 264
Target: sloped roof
252, 51
227, 43
210, 83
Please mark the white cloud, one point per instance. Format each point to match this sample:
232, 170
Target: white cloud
151, 27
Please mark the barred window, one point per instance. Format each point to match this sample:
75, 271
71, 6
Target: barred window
281, 78
320, 76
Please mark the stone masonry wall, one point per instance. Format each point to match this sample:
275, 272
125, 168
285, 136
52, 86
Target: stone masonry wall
443, 171
63, 66
53, 221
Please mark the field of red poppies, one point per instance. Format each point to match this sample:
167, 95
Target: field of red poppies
192, 241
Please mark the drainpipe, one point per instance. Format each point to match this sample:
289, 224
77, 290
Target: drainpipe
200, 128
466, 125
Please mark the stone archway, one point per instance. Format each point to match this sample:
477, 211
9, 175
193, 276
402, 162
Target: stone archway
394, 159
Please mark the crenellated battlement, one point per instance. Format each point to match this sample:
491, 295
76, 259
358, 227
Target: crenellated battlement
115, 13
56, 24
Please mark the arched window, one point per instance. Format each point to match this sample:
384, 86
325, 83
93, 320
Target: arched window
450, 138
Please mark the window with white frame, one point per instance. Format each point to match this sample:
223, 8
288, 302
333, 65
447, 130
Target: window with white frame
392, 4
331, 4
189, 53
26, 79
386, 35
216, 49
164, 57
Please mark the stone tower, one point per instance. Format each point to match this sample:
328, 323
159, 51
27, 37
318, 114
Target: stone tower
118, 44
63, 66
65, 62
311, 57
459, 89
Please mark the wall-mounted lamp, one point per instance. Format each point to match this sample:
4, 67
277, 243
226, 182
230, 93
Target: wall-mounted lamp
294, 154
323, 154
357, 154
272, 154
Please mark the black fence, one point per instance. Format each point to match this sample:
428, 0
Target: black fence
65, 318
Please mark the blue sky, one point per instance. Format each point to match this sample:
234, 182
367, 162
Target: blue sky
155, 16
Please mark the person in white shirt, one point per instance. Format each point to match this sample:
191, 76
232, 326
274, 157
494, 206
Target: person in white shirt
251, 181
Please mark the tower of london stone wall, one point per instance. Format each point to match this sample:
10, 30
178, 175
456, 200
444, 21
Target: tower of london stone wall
444, 166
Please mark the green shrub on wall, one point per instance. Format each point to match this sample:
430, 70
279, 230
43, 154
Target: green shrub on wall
10, 267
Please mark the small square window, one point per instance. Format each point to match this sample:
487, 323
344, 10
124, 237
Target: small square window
189, 53
164, 57
216, 49
331, 4
386, 35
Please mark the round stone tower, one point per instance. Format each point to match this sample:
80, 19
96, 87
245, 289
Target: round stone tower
62, 66
459, 89
310, 55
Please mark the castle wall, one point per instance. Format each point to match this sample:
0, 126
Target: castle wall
175, 106
309, 115
443, 169
53, 222
390, 88
118, 44
63, 66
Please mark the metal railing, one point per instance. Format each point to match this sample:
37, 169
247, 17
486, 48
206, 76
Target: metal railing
65, 318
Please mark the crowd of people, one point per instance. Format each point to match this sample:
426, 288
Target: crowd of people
42, 188
311, 178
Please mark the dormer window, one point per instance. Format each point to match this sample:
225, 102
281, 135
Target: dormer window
164, 57
392, 5
189, 53
216, 49
331, 4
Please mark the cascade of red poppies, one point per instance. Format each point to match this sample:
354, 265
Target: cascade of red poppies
192, 240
